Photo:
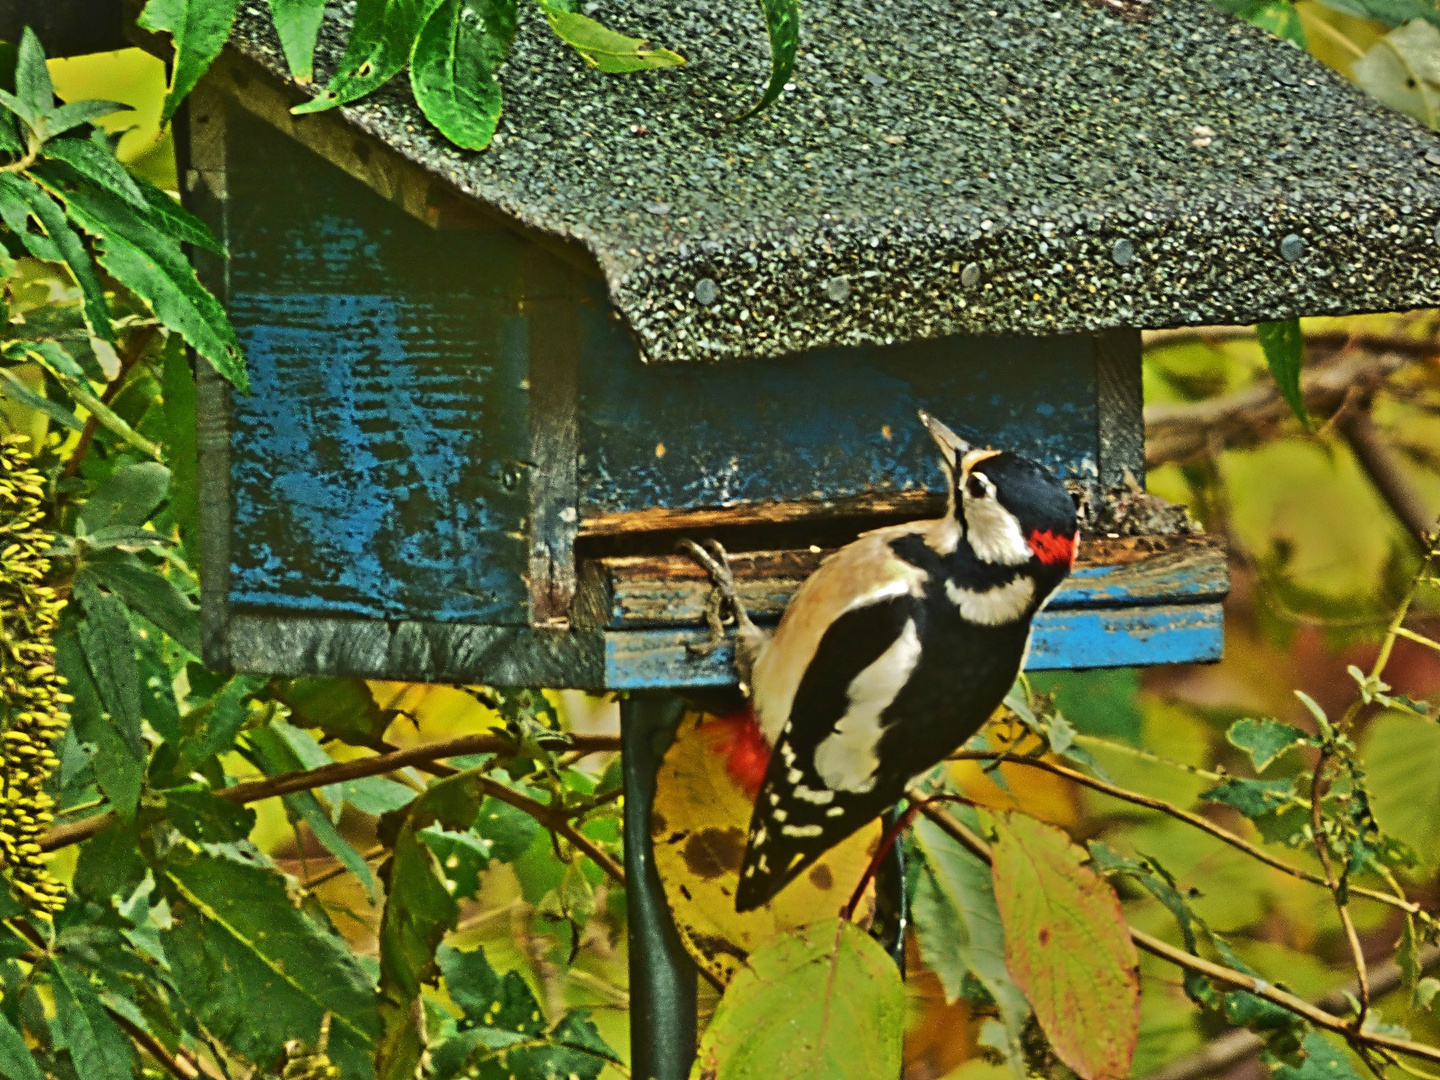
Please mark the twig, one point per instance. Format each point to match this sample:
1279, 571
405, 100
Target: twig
1380, 465
1233, 1047
337, 871
1183, 432
1221, 974
179, 1065
287, 783
136, 351
1322, 850
1198, 821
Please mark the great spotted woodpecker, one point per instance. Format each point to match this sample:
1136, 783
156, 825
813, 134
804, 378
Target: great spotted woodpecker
893, 653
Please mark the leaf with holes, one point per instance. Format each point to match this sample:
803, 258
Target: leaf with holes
97, 1046
199, 29
1067, 946
1284, 353
824, 1002
382, 35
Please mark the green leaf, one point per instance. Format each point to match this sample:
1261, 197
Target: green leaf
1265, 740
206, 818
178, 391
1323, 1061
1407, 955
1392, 13
34, 93
782, 20
21, 200
12, 387
211, 727
16, 1061
510, 831
824, 1002
53, 357
462, 856
1404, 798
1277, 16
343, 709
241, 950
149, 593
959, 931
119, 763
382, 36
97, 163
298, 24
452, 70
200, 28
419, 909
108, 645
1424, 996
174, 220
1067, 947
1253, 798
1284, 352
71, 116
275, 756
98, 1048
604, 48
128, 496
485, 997
150, 264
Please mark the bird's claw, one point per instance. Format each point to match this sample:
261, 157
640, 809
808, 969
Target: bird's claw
713, 557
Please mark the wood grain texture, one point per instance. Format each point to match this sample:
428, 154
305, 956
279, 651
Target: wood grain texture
1120, 406
821, 428
1113, 637
671, 590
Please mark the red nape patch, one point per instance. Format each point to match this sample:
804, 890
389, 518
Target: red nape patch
747, 756
1051, 549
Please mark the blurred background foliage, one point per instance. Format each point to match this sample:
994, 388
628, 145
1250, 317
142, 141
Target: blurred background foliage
1319, 559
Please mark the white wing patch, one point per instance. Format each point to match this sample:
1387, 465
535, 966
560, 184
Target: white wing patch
993, 607
848, 758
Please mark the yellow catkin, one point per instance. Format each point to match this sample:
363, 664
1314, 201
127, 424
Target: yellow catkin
32, 695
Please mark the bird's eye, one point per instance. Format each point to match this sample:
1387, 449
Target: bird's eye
975, 486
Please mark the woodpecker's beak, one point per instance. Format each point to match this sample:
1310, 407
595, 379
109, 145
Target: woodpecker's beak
951, 445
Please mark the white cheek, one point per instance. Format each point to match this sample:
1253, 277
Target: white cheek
994, 534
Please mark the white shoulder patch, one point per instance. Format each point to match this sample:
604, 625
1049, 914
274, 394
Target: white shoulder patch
847, 759
993, 607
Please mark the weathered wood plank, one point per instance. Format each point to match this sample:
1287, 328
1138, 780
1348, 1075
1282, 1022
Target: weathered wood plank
823, 426
1117, 637
1120, 406
417, 651
671, 590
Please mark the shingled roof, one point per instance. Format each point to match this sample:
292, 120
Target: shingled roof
1025, 167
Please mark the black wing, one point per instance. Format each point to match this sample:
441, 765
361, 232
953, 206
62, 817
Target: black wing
816, 792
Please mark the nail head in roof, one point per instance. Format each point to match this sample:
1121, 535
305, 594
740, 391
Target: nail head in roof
706, 291
875, 79
970, 276
1291, 248
838, 288
659, 209
1123, 253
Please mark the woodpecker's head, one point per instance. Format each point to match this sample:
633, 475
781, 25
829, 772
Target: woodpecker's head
1009, 508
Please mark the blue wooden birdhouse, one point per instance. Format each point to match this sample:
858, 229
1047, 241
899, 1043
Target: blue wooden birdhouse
492, 390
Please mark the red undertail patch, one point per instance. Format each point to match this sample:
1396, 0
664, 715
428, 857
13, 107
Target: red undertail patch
747, 756
1051, 549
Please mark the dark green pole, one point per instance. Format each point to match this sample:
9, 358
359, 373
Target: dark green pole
662, 975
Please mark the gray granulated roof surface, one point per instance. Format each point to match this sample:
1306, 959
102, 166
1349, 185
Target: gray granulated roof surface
944, 166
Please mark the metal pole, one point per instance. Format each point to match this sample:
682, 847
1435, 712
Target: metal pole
662, 975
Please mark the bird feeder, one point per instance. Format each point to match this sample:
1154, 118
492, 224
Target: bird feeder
491, 390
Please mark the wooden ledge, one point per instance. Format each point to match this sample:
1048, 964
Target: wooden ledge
633, 592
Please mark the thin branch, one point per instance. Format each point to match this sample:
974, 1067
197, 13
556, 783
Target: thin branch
181, 1065
1382, 468
1322, 850
288, 783
1196, 820
1218, 972
134, 353
1222, 1054
341, 868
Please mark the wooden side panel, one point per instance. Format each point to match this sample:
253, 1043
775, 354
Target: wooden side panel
1120, 396
1110, 637
379, 469
826, 425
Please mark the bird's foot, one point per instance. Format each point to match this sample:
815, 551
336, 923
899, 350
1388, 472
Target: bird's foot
717, 564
